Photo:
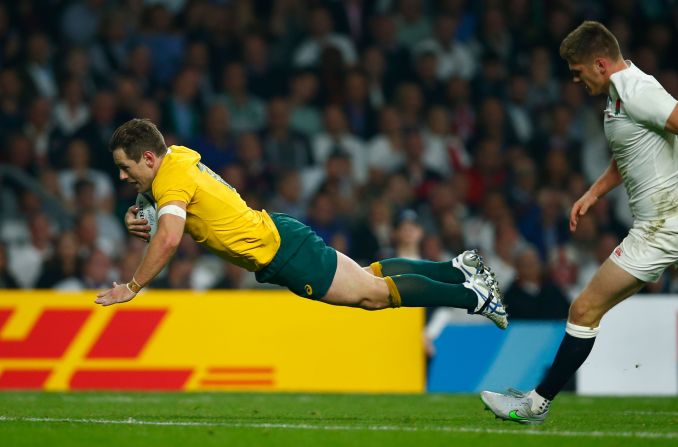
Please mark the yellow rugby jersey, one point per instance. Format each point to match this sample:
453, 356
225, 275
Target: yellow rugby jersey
216, 216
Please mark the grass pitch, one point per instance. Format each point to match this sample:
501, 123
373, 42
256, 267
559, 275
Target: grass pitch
258, 419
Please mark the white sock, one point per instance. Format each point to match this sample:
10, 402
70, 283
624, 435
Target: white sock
539, 404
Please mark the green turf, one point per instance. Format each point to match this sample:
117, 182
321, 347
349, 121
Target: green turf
253, 419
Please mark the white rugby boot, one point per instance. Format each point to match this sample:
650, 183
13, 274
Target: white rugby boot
516, 406
490, 304
470, 263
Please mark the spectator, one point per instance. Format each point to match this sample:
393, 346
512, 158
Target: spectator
451, 233
421, 177
371, 236
494, 37
385, 151
407, 236
182, 108
288, 196
198, 58
98, 130
90, 237
425, 69
216, 144
178, 275
26, 260
12, 98
323, 218
532, 296
549, 228
337, 182
96, 271
7, 280
458, 98
359, 113
543, 89
80, 21
321, 35
479, 230
38, 69
487, 173
139, 65
517, 108
412, 24
247, 112
379, 86
493, 124
108, 226
410, 103
396, 55
444, 152
263, 78
62, 269
250, 157
79, 169
109, 51
129, 96
77, 65
20, 154
338, 138
305, 115
71, 111
351, 19
10, 39
454, 57
38, 128
283, 147
165, 44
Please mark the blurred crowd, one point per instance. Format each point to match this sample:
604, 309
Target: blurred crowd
406, 128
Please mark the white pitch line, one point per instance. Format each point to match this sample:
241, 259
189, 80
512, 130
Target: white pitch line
394, 428
650, 413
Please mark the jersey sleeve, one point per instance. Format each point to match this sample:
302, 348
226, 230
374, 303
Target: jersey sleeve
651, 105
174, 185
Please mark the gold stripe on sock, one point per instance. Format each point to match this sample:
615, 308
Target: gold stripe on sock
393, 293
376, 269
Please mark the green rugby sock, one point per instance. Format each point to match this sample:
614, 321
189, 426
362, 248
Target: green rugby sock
410, 290
438, 271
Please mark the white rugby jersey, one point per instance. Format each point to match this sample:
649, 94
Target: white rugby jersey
646, 154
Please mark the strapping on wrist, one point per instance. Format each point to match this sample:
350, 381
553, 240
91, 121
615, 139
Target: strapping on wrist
134, 286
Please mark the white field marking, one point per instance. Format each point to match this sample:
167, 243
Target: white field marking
650, 413
393, 428
131, 399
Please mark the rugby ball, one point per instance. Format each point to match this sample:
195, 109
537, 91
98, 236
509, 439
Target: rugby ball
147, 211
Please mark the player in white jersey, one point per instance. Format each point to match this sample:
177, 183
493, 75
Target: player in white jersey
641, 123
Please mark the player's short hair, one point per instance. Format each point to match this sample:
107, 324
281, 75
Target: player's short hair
589, 40
137, 136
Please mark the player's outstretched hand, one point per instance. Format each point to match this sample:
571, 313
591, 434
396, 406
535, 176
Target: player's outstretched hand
137, 227
580, 208
120, 293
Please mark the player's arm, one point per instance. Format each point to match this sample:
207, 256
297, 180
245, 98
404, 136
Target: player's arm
609, 180
171, 222
672, 122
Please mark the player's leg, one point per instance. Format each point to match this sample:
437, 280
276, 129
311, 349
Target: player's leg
353, 286
610, 286
456, 271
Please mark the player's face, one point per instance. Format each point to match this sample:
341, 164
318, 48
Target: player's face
138, 173
591, 76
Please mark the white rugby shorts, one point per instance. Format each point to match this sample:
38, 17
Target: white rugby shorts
649, 248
